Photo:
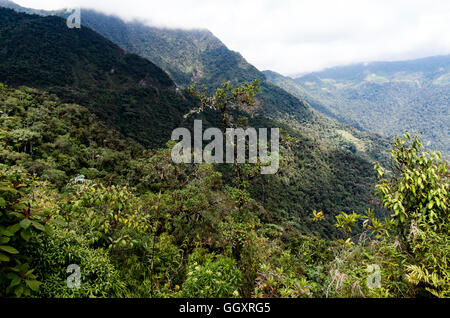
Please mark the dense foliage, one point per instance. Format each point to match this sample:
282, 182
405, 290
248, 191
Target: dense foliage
80, 66
75, 192
384, 97
330, 176
81, 188
197, 56
412, 246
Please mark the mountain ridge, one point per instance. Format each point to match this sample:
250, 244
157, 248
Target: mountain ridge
316, 175
423, 64
382, 97
216, 64
81, 66
166, 47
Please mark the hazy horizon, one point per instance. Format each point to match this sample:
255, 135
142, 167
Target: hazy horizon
296, 37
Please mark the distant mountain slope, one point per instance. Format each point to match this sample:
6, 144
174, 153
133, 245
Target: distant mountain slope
198, 56
12, 5
81, 66
384, 97
190, 56
186, 55
136, 97
49, 53
289, 85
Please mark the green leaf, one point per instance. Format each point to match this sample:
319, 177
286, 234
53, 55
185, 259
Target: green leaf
29, 273
48, 229
38, 226
7, 189
12, 275
33, 284
5, 232
2, 203
13, 228
4, 258
59, 222
18, 291
25, 234
9, 249
25, 223
4, 240
14, 281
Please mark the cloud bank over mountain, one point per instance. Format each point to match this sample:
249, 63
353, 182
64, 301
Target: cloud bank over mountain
292, 36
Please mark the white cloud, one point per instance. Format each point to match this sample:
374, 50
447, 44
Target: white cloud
296, 36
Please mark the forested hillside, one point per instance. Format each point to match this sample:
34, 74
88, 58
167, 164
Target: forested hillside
383, 97
81, 66
187, 56
139, 226
194, 56
87, 178
317, 175
198, 56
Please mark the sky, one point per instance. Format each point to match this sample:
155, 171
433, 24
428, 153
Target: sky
294, 37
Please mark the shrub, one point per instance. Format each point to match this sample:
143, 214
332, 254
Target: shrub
416, 191
52, 254
19, 219
211, 276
